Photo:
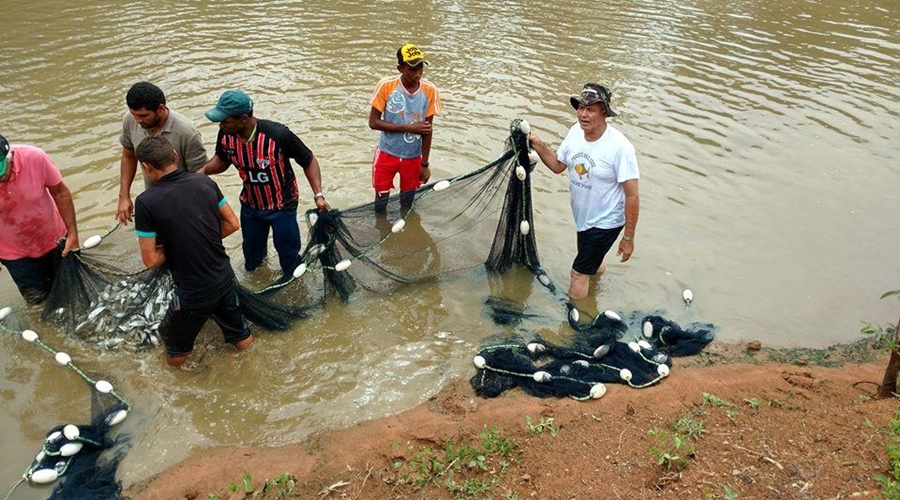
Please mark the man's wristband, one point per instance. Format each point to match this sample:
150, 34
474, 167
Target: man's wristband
628, 238
424, 164
319, 195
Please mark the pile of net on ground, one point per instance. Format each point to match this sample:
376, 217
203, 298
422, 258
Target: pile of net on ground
600, 352
482, 219
83, 456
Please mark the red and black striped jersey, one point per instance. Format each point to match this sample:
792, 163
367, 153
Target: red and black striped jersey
264, 164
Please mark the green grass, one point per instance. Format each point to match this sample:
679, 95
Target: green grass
466, 470
890, 482
281, 487
545, 425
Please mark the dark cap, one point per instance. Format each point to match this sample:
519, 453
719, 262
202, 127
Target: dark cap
412, 55
4, 156
231, 103
593, 93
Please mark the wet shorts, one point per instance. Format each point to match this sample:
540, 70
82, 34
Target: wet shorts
385, 166
182, 323
34, 276
592, 247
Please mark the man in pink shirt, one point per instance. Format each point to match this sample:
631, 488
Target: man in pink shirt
36, 212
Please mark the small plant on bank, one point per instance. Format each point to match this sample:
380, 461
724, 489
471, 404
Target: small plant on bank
469, 488
888, 386
689, 427
713, 400
458, 466
283, 486
671, 451
890, 482
546, 424
729, 494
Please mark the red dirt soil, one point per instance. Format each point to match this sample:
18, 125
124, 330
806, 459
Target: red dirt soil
771, 430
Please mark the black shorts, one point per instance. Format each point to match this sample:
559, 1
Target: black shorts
34, 276
182, 322
592, 247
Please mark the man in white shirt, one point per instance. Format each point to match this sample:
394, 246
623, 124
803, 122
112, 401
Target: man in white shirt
603, 182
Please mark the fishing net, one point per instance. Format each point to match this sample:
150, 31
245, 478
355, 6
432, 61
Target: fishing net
482, 219
600, 352
84, 455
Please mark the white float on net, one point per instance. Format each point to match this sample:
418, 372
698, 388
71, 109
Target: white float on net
521, 173
69, 449
93, 241
43, 476
71, 432
536, 347
524, 127
116, 418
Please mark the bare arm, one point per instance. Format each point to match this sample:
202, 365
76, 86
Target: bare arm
314, 177
547, 155
215, 165
425, 173
229, 221
63, 199
127, 171
376, 123
151, 254
632, 209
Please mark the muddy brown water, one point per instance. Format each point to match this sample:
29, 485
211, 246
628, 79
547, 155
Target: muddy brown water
766, 136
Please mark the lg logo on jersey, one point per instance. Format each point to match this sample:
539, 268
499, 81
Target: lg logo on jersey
258, 177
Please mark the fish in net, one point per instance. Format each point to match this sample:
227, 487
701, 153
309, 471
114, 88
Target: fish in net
105, 296
479, 220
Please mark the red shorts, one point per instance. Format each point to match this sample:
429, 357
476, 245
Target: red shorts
385, 166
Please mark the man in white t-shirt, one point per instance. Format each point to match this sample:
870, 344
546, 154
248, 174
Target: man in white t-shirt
603, 182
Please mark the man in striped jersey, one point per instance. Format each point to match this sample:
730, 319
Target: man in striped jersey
261, 151
403, 107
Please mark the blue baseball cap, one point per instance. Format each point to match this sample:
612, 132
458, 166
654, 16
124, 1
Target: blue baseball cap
231, 103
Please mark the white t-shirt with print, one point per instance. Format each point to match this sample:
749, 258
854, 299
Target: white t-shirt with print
596, 170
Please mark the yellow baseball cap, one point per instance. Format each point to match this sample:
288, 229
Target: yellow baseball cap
411, 55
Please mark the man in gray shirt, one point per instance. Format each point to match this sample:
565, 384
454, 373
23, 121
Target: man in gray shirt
147, 116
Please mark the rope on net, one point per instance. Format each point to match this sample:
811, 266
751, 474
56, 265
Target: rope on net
63, 443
